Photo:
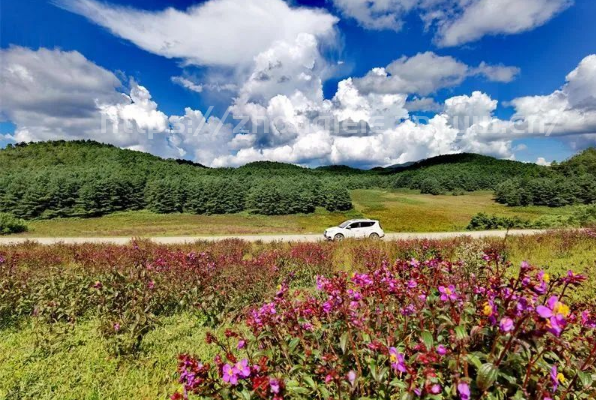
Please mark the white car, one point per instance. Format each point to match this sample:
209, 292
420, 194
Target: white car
355, 228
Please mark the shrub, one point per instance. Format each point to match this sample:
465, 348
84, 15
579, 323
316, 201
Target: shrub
9, 224
431, 186
482, 221
426, 329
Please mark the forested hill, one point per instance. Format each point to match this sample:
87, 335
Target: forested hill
461, 172
571, 182
85, 178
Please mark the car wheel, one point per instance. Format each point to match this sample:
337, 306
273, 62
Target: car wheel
338, 237
374, 236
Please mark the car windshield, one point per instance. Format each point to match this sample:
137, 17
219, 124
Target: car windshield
345, 224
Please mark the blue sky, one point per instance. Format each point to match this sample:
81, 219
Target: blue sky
544, 53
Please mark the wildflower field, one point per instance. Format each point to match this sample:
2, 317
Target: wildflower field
454, 319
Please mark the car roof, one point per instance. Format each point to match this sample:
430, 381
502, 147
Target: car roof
362, 220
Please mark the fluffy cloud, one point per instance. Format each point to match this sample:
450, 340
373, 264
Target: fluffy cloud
426, 73
62, 95
492, 17
376, 14
455, 21
208, 33
570, 110
542, 161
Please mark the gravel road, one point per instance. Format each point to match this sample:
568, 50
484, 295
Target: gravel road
265, 238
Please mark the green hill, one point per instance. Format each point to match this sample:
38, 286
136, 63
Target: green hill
86, 178
461, 172
571, 182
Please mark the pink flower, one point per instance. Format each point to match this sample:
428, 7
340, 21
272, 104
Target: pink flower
448, 293
506, 325
397, 360
274, 385
554, 378
116, 327
441, 350
555, 313
242, 368
241, 344
351, 377
230, 375
435, 389
464, 391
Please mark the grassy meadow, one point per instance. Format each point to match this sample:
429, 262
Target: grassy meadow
78, 365
398, 210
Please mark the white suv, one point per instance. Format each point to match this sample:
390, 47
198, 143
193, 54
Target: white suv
355, 228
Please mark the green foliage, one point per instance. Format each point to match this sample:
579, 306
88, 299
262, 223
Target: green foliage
571, 182
482, 221
431, 186
461, 173
582, 217
336, 197
9, 224
89, 179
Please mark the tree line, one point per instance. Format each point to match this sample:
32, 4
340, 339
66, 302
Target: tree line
571, 182
86, 179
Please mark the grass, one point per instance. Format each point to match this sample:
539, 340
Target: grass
80, 367
398, 211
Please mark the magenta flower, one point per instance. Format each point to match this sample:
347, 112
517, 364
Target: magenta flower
554, 378
397, 360
412, 284
242, 368
441, 350
573, 278
587, 320
230, 375
241, 344
274, 385
448, 293
435, 389
464, 391
555, 313
506, 325
116, 327
351, 377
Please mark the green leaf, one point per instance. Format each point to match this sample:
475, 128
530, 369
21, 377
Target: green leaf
343, 341
310, 382
487, 375
427, 338
461, 333
294, 343
474, 360
585, 378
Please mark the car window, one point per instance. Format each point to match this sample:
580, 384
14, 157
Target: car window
344, 224
355, 225
366, 224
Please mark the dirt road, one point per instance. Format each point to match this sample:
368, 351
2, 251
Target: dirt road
265, 238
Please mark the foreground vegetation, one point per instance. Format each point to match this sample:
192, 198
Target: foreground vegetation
104, 321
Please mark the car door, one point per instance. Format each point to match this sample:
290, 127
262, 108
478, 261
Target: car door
355, 230
366, 228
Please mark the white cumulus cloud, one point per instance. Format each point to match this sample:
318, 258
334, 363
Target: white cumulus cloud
215, 32
455, 22
428, 72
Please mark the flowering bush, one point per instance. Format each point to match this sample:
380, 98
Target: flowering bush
414, 329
